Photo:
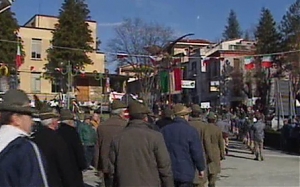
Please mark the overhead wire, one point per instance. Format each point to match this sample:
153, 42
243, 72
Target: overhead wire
148, 56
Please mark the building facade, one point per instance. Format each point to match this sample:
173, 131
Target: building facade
37, 35
213, 67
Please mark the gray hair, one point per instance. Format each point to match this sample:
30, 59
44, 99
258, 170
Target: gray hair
118, 111
66, 121
47, 122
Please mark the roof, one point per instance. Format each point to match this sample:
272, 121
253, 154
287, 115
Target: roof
48, 16
196, 41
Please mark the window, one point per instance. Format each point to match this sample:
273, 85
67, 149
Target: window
35, 82
36, 48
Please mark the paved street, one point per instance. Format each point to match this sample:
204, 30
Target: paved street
240, 170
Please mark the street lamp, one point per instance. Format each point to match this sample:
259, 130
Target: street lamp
5, 4
68, 71
99, 77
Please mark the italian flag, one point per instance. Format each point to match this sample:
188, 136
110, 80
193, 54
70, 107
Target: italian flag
19, 60
249, 64
170, 81
266, 62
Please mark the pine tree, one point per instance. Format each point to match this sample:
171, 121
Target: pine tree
72, 39
290, 27
232, 29
9, 42
266, 34
9, 36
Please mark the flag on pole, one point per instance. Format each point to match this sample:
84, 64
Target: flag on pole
164, 81
266, 62
249, 63
171, 82
178, 79
19, 60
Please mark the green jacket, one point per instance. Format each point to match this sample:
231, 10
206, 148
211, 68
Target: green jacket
88, 134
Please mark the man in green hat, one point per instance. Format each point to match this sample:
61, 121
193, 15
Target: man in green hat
213, 145
139, 155
106, 131
60, 171
21, 163
197, 122
68, 132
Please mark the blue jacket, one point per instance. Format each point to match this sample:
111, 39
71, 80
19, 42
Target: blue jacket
185, 148
19, 165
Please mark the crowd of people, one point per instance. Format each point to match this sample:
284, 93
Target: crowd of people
180, 146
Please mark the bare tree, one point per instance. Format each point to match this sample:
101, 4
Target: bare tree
132, 38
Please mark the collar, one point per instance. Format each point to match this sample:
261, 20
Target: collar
138, 123
8, 133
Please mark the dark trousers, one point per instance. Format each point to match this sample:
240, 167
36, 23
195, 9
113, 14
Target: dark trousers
89, 152
183, 184
108, 180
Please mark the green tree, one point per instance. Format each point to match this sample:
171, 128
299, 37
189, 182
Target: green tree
9, 41
232, 29
267, 41
266, 34
290, 29
72, 39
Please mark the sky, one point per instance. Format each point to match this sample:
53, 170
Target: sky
205, 18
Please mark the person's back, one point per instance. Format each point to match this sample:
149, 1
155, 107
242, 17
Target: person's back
185, 148
258, 130
136, 148
139, 154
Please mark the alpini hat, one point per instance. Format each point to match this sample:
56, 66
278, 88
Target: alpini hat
196, 108
47, 112
66, 114
117, 104
211, 115
181, 110
138, 108
17, 101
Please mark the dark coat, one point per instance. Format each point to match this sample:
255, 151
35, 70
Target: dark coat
60, 171
105, 132
214, 146
185, 148
140, 157
75, 148
19, 165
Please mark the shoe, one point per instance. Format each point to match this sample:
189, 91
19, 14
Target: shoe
256, 159
262, 158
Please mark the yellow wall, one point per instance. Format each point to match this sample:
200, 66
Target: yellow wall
40, 27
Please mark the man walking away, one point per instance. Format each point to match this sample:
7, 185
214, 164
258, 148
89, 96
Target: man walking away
258, 135
185, 148
105, 132
197, 122
224, 125
60, 170
88, 137
139, 155
214, 149
69, 133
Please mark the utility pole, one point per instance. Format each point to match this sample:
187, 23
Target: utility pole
70, 82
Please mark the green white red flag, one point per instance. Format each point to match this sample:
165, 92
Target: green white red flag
19, 59
267, 62
249, 63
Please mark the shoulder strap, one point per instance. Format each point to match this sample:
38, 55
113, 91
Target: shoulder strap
39, 158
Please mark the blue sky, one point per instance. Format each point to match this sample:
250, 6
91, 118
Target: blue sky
205, 18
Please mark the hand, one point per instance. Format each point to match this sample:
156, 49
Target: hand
201, 174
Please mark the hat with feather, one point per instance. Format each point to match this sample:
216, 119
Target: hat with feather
45, 111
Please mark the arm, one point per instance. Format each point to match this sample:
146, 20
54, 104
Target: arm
207, 146
163, 162
196, 150
97, 158
221, 145
112, 157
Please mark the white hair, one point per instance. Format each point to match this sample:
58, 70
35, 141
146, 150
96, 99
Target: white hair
47, 122
68, 121
118, 111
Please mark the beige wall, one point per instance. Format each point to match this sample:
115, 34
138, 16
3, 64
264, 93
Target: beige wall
43, 32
